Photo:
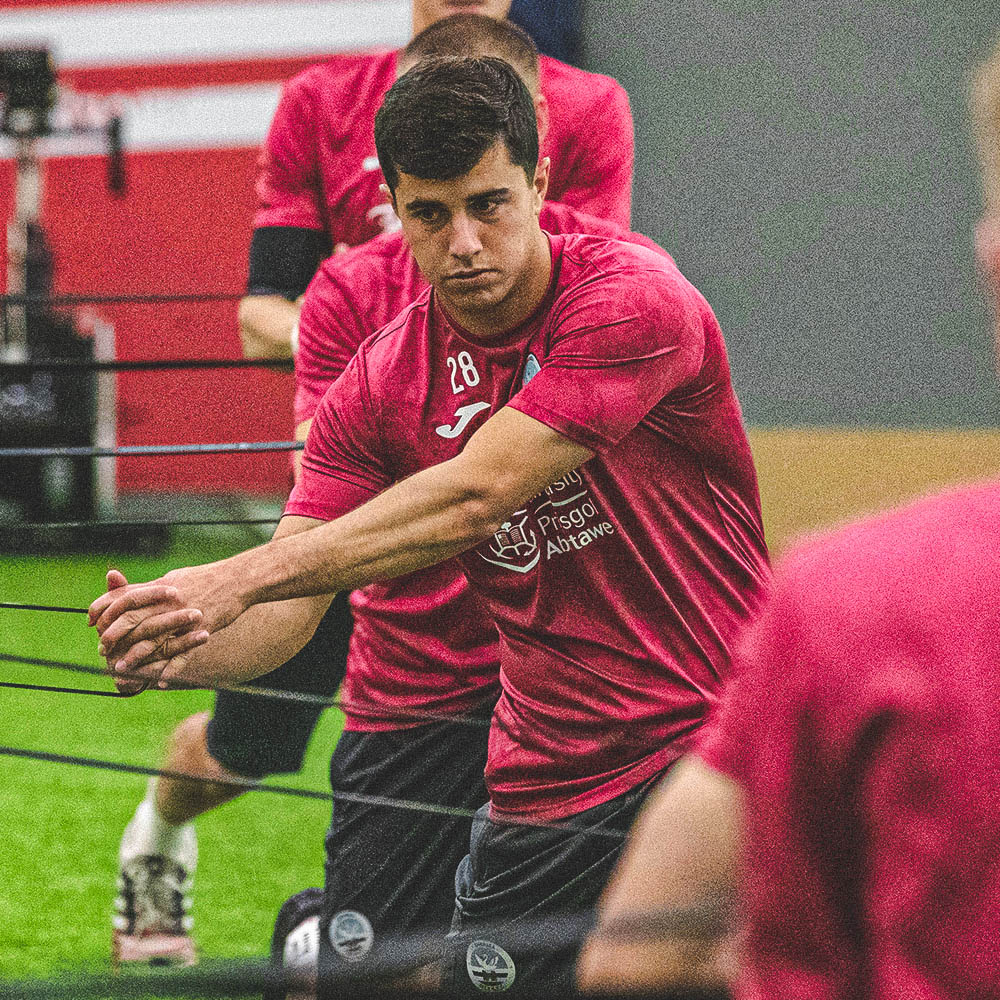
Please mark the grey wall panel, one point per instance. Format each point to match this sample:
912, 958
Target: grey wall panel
811, 169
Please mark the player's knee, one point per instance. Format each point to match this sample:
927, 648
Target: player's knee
189, 736
295, 946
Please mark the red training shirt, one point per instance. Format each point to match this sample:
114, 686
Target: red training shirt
421, 643
864, 728
618, 591
318, 168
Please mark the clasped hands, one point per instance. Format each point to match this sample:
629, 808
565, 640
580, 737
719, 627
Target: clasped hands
148, 631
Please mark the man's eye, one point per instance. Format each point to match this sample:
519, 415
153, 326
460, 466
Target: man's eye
426, 214
486, 207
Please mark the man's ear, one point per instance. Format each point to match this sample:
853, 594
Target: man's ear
542, 115
541, 184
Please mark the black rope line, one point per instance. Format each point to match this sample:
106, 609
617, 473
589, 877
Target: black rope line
14, 606
277, 694
359, 798
77, 525
124, 451
398, 954
144, 365
139, 298
67, 690
365, 981
118, 767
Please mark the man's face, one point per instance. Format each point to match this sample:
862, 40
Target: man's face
476, 238
426, 12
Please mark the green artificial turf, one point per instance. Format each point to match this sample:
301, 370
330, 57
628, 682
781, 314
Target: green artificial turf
61, 823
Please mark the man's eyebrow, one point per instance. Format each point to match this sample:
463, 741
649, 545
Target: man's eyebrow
419, 203
495, 193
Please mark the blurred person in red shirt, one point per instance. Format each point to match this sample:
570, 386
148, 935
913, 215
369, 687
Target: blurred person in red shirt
319, 183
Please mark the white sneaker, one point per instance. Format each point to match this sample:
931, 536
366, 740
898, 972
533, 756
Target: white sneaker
152, 921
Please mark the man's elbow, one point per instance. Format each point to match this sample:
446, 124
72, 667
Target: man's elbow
264, 326
478, 514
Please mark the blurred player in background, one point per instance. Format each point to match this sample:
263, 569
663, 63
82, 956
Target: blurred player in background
251, 737
559, 411
846, 795
319, 185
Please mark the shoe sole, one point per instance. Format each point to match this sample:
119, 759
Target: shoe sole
152, 949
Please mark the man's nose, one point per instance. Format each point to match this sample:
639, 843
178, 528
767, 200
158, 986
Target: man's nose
465, 240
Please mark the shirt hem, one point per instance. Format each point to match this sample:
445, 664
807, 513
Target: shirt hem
565, 809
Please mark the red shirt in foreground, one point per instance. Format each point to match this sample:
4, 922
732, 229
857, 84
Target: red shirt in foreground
864, 729
421, 643
318, 168
618, 591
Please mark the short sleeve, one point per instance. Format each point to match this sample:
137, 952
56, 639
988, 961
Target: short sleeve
600, 180
288, 182
342, 465
620, 343
330, 331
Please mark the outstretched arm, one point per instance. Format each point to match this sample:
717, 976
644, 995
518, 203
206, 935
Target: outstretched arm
433, 515
664, 918
259, 641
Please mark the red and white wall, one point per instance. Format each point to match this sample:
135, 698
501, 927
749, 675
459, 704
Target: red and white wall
197, 84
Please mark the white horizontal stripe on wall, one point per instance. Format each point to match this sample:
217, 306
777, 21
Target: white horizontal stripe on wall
146, 34
192, 118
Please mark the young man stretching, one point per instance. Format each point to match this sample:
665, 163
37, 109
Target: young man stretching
558, 413
317, 172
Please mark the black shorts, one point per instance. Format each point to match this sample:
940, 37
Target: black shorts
256, 736
532, 875
391, 871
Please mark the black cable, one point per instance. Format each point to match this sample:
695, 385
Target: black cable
14, 606
124, 451
140, 298
276, 694
77, 525
235, 978
145, 365
250, 786
380, 801
65, 690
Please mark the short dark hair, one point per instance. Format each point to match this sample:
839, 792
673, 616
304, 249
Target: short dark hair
476, 35
442, 116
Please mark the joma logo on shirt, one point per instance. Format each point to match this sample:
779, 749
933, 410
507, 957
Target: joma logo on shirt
465, 415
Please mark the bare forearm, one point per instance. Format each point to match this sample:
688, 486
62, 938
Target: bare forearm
435, 514
263, 638
664, 919
419, 522
266, 323
423, 520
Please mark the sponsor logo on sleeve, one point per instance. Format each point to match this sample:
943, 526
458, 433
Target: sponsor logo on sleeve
531, 369
351, 935
490, 968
